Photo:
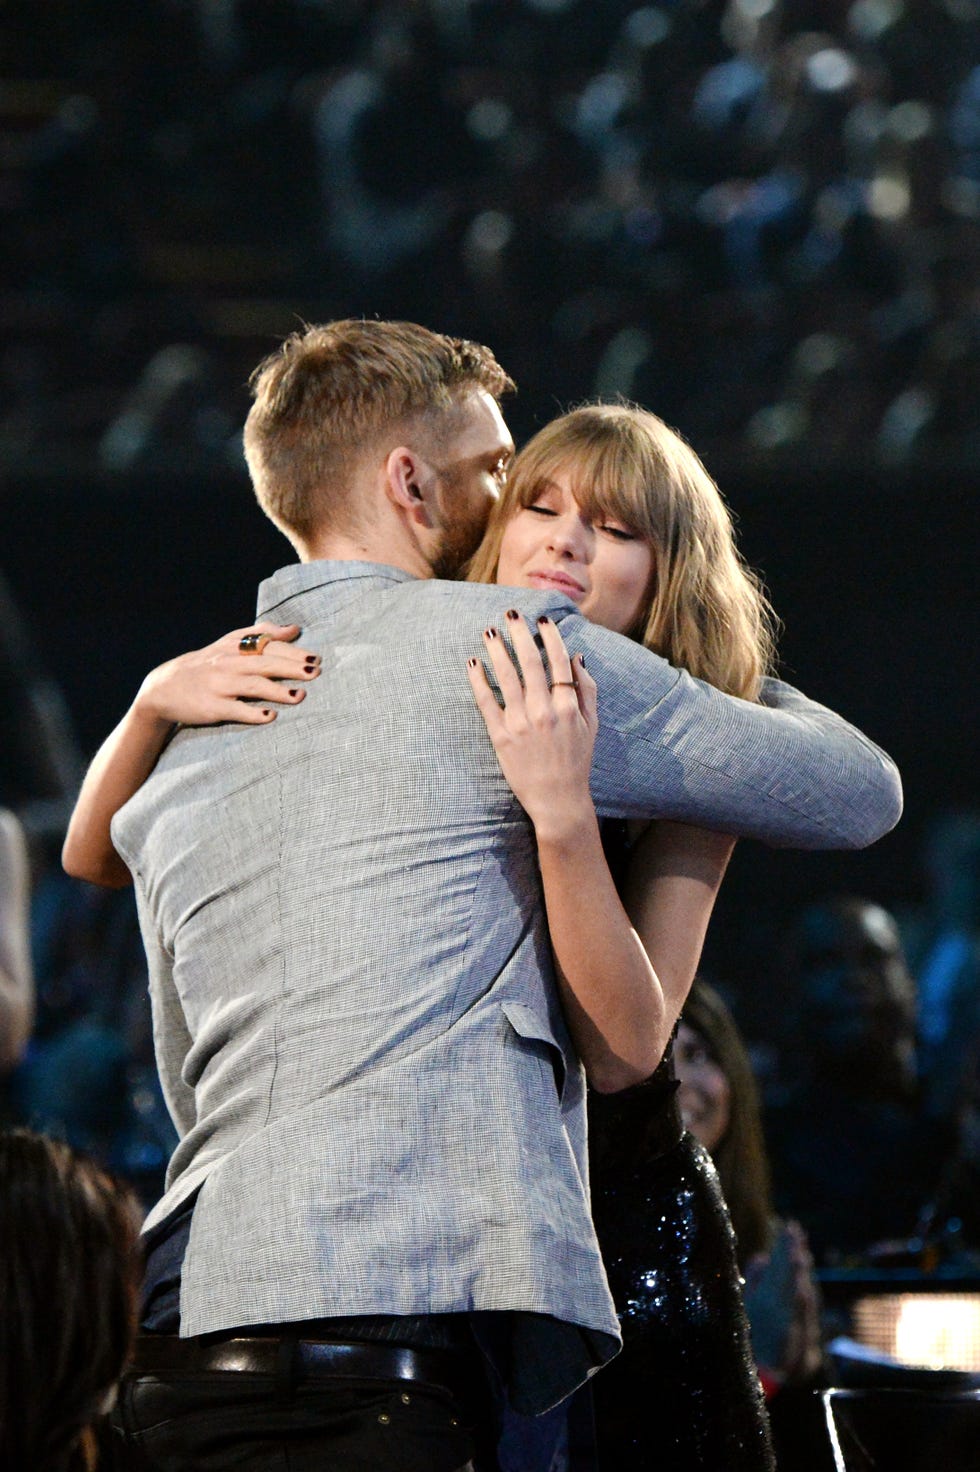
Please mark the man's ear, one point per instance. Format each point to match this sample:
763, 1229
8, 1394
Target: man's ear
405, 475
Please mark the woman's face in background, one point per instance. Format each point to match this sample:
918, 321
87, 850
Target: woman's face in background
704, 1095
599, 563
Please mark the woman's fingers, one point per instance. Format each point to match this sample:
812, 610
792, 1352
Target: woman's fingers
529, 658
588, 693
543, 725
558, 660
485, 699
279, 659
508, 680
249, 715
284, 632
276, 662
259, 687
224, 683
525, 683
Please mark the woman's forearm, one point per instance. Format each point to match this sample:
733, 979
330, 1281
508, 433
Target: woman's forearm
625, 969
675, 873
120, 767
611, 993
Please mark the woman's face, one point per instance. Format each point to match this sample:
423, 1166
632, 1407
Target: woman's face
704, 1096
600, 564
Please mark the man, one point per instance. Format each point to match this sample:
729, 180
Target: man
381, 1163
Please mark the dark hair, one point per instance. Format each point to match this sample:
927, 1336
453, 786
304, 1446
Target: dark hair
740, 1156
68, 1276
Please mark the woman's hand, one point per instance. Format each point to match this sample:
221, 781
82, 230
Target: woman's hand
207, 686
220, 683
544, 733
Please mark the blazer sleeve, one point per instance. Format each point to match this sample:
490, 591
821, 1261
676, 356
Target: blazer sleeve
786, 771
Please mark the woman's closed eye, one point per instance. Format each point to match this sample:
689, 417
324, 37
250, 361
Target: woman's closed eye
614, 529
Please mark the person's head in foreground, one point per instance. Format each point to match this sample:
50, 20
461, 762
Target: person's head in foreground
69, 1268
610, 506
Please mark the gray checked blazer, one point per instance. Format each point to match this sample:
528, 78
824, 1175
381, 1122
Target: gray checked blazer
355, 1016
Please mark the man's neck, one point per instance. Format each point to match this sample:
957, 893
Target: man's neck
390, 551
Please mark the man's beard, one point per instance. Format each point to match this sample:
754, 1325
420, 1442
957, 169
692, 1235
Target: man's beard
460, 538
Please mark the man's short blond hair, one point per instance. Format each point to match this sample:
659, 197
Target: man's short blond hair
330, 393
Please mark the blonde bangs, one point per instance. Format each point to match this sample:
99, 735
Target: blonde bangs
708, 612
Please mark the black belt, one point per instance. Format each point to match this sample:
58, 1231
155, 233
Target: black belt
167, 1354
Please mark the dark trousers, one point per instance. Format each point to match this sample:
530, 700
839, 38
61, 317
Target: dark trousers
247, 1422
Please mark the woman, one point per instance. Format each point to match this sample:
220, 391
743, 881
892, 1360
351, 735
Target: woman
69, 1263
719, 1104
611, 507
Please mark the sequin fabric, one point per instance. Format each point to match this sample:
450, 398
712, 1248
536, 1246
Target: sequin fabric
684, 1395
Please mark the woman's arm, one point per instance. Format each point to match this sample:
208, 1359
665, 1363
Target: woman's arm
203, 688
675, 872
623, 980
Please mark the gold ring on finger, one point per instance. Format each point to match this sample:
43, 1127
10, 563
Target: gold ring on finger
254, 643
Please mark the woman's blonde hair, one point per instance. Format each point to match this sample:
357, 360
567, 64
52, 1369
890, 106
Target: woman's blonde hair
708, 613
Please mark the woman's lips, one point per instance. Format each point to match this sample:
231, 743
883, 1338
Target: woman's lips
560, 581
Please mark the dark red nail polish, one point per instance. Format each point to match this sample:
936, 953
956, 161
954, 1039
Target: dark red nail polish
267, 712
544, 619
581, 660
512, 614
294, 693
490, 633
471, 663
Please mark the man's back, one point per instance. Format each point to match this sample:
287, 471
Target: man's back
352, 985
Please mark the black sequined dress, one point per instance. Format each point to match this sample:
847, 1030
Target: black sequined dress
683, 1396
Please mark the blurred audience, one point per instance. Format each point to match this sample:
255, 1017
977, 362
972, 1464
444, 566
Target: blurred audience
854, 1157
944, 943
89, 1076
41, 762
16, 976
69, 1271
950, 1225
761, 218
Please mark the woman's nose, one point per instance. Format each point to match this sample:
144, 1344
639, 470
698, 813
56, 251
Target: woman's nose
569, 537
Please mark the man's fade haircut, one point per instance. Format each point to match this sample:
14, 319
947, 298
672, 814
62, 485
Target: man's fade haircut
329, 392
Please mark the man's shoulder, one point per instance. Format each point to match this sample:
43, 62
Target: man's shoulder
442, 593
437, 606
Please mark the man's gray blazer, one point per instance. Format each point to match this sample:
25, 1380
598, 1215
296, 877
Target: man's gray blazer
355, 1016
